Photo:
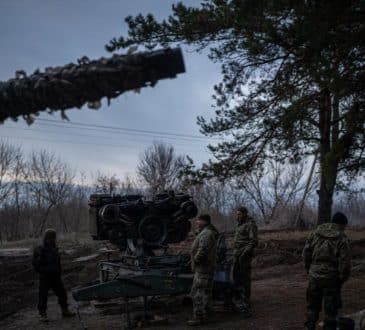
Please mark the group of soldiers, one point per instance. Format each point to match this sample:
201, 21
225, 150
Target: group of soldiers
203, 259
327, 259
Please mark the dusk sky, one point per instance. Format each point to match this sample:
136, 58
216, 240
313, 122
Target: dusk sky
36, 34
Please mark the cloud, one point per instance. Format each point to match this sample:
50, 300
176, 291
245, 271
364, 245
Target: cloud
38, 34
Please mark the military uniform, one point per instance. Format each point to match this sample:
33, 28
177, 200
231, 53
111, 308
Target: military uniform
327, 260
203, 260
245, 241
47, 262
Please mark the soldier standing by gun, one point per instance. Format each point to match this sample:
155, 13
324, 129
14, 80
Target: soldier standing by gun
245, 241
203, 261
47, 262
327, 258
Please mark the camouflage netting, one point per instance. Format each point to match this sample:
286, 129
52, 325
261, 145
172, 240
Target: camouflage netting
74, 85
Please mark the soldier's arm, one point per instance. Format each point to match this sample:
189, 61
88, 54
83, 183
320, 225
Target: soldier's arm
205, 244
252, 238
307, 252
238, 243
344, 260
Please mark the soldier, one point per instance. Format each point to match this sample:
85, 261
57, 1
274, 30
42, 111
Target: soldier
327, 258
46, 262
203, 260
245, 241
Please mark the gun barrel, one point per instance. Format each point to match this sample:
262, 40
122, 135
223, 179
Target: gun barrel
87, 82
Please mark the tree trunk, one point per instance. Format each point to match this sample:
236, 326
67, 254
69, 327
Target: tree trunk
328, 167
325, 201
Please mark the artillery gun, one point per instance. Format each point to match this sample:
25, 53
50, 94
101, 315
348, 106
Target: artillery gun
87, 82
139, 228
125, 220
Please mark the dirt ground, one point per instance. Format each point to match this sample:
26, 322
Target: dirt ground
279, 284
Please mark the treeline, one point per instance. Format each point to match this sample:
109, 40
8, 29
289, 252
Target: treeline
36, 191
39, 190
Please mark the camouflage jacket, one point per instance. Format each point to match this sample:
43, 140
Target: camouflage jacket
327, 254
245, 238
203, 251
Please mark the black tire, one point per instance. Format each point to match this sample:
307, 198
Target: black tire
109, 214
152, 229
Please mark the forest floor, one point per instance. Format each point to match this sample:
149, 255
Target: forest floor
278, 299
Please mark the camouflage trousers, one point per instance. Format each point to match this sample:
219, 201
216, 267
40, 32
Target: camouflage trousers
201, 293
242, 280
328, 293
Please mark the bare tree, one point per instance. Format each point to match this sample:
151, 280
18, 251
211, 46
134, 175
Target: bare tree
159, 167
50, 183
219, 199
128, 186
77, 205
106, 184
9, 159
274, 189
17, 178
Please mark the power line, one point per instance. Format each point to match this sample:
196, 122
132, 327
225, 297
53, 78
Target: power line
110, 132
126, 129
179, 143
72, 142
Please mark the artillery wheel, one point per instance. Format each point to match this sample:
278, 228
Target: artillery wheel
109, 213
152, 230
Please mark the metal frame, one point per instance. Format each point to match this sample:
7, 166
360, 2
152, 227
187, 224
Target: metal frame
146, 277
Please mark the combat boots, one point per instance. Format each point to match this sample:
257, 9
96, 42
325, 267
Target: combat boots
67, 313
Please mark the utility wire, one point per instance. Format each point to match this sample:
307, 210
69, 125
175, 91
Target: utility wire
98, 137
74, 142
125, 129
109, 132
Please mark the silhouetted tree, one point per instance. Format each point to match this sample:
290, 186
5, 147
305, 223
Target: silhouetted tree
293, 81
159, 167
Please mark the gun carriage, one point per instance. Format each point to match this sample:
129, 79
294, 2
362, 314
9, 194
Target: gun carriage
139, 228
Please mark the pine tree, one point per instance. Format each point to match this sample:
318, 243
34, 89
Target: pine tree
293, 81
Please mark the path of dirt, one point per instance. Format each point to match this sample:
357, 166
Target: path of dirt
278, 304
278, 294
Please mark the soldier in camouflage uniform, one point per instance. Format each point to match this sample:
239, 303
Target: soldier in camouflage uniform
203, 260
245, 241
327, 258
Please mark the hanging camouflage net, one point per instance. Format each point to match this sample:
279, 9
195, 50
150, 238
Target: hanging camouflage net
74, 85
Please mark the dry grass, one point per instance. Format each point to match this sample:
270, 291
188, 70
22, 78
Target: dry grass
298, 235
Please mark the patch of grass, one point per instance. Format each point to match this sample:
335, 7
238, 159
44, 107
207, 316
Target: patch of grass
299, 235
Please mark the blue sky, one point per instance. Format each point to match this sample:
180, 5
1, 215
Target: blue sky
40, 33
